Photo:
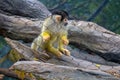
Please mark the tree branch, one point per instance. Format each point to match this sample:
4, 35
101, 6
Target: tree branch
27, 52
57, 71
82, 64
27, 9
8, 73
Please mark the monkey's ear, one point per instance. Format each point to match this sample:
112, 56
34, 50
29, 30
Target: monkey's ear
58, 18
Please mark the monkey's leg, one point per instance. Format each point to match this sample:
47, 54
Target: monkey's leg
65, 41
55, 51
62, 49
51, 49
35, 44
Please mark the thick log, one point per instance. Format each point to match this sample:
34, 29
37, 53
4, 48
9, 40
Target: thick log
26, 8
17, 27
96, 38
49, 71
30, 54
88, 34
86, 66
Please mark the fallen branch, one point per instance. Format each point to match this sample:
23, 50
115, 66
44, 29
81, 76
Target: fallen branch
28, 7
25, 51
50, 71
82, 64
12, 74
8, 73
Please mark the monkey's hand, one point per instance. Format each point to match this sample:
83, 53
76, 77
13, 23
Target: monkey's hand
54, 51
65, 51
45, 36
65, 40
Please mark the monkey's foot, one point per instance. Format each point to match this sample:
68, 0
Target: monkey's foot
65, 51
59, 54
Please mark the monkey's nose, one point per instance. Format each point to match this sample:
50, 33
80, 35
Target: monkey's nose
65, 24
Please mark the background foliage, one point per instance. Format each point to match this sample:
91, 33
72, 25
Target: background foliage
108, 16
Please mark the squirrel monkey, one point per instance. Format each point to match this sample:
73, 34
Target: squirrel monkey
54, 31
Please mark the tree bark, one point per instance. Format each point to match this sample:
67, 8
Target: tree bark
8, 73
88, 34
27, 52
12, 74
21, 23
82, 64
17, 27
25, 8
50, 71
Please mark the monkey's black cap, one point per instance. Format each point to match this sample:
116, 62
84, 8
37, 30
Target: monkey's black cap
63, 13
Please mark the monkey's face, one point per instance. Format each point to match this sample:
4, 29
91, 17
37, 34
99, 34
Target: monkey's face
60, 20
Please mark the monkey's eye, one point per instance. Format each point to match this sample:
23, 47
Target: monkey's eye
65, 20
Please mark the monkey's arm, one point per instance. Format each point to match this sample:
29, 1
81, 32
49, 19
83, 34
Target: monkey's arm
65, 41
51, 48
62, 42
45, 35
